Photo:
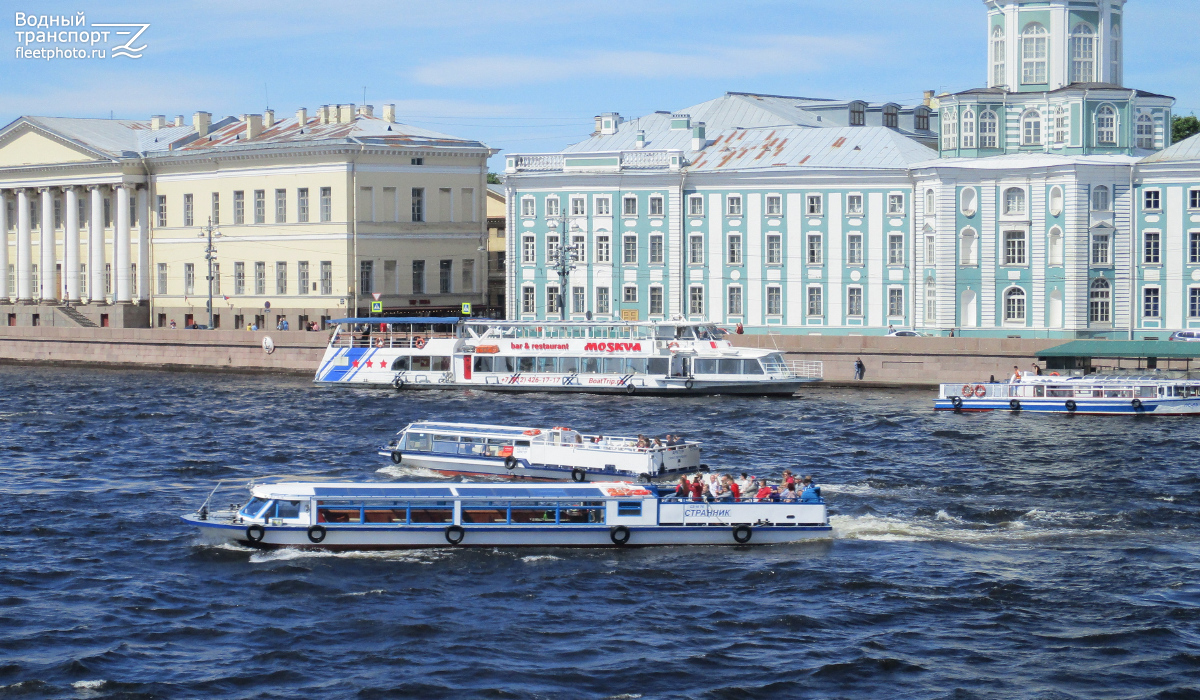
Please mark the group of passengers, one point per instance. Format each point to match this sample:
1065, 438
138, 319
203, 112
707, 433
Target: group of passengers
645, 443
723, 487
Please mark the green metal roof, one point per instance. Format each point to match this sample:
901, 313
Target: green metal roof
1161, 349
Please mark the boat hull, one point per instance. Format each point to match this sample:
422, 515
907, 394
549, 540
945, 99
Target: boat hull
781, 387
1116, 407
494, 467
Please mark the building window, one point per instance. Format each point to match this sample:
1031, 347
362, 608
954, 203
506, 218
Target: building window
854, 204
1100, 249
895, 302
326, 204
216, 278
603, 206
1194, 248
260, 278
921, 119
418, 204
1100, 302
215, 214
603, 300
1100, 198
1034, 42
630, 206
1083, 54
1031, 128
696, 205
326, 277
1055, 245
816, 304
1014, 201
858, 114
162, 278
260, 206
896, 249
1115, 55
891, 117
988, 129
656, 300
302, 280
552, 209
302, 205
896, 204
1150, 302
528, 207
630, 294
998, 57
774, 249
735, 250
735, 301
656, 206
1194, 302
189, 279
1014, 247
774, 205
1151, 248
1145, 132
1152, 200
930, 251
656, 250
814, 205
468, 275
968, 129
188, 216
603, 249
629, 250
445, 276
239, 207
281, 206
528, 300
930, 202
854, 301
854, 249
418, 277
528, 250
239, 278
579, 246
930, 301
1014, 305
696, 301
578, 206
1106, 126
815, 251
1194, 198
1061, 124
696, 250
578, 303
281, 278
552, 250
161, 207
950, 130
733, 205
774, 300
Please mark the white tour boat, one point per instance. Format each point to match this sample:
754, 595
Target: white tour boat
339, 516
652, 357
1089, 394
536, 453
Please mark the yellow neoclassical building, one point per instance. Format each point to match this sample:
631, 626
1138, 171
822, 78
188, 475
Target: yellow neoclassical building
313, 216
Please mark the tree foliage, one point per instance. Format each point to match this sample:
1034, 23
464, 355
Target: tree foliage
1184, 127
494, 179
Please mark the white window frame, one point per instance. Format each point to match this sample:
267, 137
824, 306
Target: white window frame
553, 206
1035, 54
734, 254
819, 297
892, 292
731, 292
1157, 302
603, 205
1100, 242
814, 249
528, 299
625, 205
696, 205
528, 206
1157, 249
578, 206
854, 253
852, 199
1031, 128
1144, 129
999, 57
1107, 125
604, 248
950, 130
1157, 197
1096, 303
1083, 53
1098, 205
850, 301
733, 205
895, 250
651, 300
777, 291
989, 129
967, 137
652, 209
774, 205
660, 258
1016, 206
693, 249
629, 294
814, 205
1014, 256
896, 204
696, 300
774, 249
626, 257
1008, 309
528, 249
1194, 199
603, 300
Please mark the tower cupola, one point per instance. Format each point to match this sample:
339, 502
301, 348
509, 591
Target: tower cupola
1042, 45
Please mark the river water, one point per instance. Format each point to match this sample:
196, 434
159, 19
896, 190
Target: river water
976, 556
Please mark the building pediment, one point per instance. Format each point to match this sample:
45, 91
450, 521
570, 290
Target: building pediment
24, 144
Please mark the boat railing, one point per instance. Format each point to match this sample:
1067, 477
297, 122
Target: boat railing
795, 369
383, 340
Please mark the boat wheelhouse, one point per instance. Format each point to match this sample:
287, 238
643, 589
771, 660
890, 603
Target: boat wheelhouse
654, 357
343, 516
1089, 394
537, 453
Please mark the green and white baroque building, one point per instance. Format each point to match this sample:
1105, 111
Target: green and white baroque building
1054, 206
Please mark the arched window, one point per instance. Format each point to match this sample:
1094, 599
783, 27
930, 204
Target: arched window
1145, 131
1014, 201
1061, 125
966, 253
1034, 41
1031, 128
1083, 54
1055, 246
1014, 305
988, 128
998, 78
1106, 126
858, 113
1100, 198
929, 203
1115, 55
968, 129
950, 130
1100, 302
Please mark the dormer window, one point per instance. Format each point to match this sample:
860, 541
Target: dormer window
858, 114
891, 116
921, 119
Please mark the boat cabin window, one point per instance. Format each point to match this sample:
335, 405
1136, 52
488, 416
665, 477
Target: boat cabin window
522, 443
685, 333
471, 445
1146, 392
533, 512
287, 509
629, 508
499, 447
1118, 393
1187, 392
525, 364
548, 365
445, 443
417, 442
726, 366
1060, 392
658, 365
568, 365
400, 364
254, 507
420, 363
664, 332
483, 363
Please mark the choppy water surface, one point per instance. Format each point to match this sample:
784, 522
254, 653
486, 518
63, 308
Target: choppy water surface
978, 556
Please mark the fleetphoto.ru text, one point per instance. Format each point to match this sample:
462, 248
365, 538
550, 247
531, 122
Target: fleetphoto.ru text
54, 36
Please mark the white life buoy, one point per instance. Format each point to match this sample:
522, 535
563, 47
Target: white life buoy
268, 345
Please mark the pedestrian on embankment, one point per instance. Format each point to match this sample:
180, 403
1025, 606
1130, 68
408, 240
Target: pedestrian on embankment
860, 370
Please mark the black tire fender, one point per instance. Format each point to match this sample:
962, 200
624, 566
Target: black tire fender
704, 467
956, 402
398, 383
578, 475
316, 534
397, 456
256, 533
688, 384
1014, 405
619, 535
455, 534
1137, 404
630, 388
1071, 406
510, 463
742, 533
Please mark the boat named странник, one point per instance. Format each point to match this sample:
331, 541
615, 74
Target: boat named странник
535, 453
652, 357
344, 516
1090, 394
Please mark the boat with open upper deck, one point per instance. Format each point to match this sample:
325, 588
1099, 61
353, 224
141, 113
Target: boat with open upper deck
1095, 394
537, 453
345, 516
652, 357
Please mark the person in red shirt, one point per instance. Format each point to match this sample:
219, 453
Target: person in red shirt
788, 478
697, 489
765, 493
734, 491
684, 488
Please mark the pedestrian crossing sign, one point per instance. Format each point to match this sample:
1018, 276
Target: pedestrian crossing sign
377, 307
466, 308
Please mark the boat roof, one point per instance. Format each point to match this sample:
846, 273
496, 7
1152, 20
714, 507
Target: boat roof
403, 320
1122, 349
434, 490
502, 430
500, 322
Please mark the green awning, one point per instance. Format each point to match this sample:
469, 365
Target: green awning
1161, 349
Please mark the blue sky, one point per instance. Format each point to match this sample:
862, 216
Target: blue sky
528, 77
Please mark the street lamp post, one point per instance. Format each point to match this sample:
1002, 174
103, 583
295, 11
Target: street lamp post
564, 262
210, 254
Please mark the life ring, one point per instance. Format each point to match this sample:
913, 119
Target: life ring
398, 383
630, 388
532, 431
968, 390
1071, 405
1014, 405
980, 390
397, 455
688, 384
1054, 374
673, 346
560, 428
619, 535
256, 533
957, 403
455, 534
1137, 404
316, 534
578, 475
510, 463
418, 342
742, 533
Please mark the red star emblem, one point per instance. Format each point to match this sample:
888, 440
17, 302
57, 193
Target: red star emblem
368, 363
356, 363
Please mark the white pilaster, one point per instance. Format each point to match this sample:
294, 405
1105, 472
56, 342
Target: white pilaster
143, 264
4, 245
121, 247
71, 239
24, 249
96, 246
48, 279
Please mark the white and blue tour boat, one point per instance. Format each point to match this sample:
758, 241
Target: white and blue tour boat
345, 516
652, 357
535, 453
1088, 394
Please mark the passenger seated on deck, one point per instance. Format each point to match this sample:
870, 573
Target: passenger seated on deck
684, 488
642, 442
715, 490
789, 494
732, 489
765, 493
657, 442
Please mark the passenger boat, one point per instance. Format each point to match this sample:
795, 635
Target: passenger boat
1090, 394
535, 453
653, 357
342, 516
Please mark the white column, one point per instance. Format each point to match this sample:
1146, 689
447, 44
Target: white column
24, 249
96, 246
71, 240
121, 247
48, 279
4, 245
143, 264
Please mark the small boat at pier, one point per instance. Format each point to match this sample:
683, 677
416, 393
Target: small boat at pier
1092, 394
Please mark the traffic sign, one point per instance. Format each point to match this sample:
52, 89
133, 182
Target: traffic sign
376, 295
377, 307
466, 308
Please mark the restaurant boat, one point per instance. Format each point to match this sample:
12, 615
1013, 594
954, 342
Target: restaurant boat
1090, 394
535, 453
652, 357
369, 516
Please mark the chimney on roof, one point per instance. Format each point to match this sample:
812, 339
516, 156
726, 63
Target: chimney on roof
367, 110
157, 122
322, 114
928, 97
389, 113
699, 140
268, 119
178, 120
253, 125
345, 114
200, 122
597, 129
640, 139
301, 117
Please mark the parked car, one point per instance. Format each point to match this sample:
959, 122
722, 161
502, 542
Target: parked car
1185, 335
906, 334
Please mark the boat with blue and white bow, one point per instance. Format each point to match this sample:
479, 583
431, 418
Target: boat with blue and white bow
1092, 394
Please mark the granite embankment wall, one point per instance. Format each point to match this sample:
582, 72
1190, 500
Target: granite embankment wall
906, 361
295, 351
